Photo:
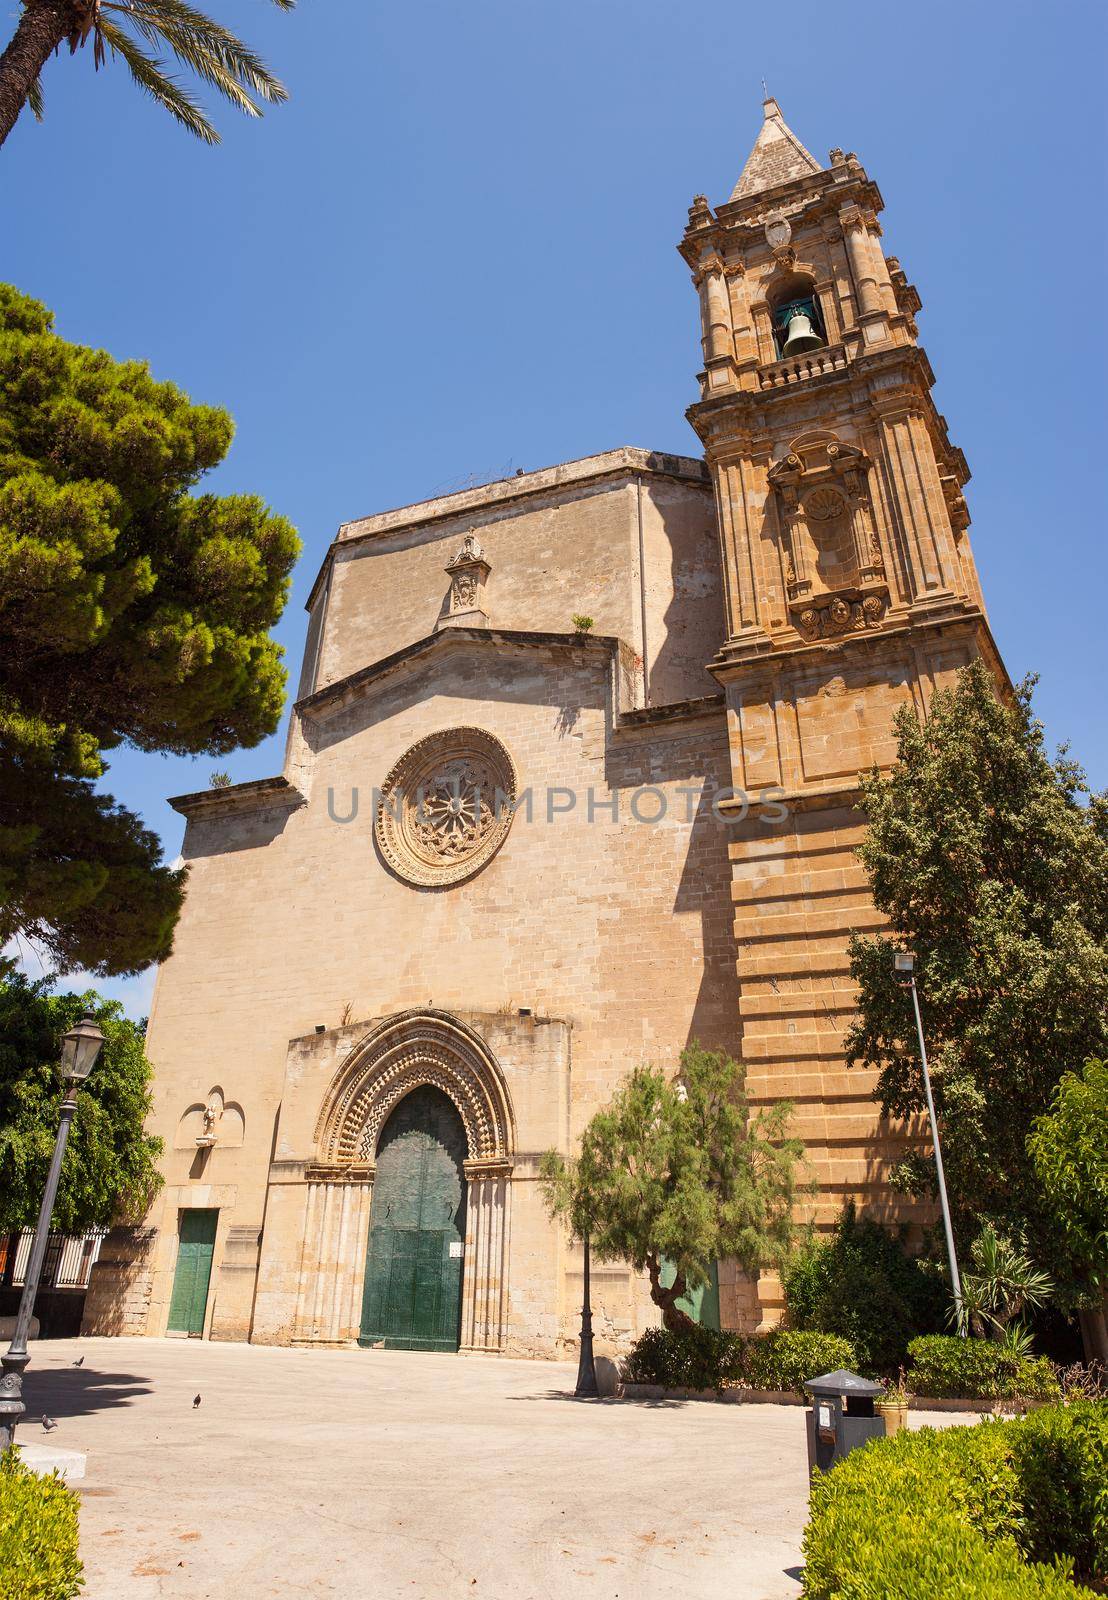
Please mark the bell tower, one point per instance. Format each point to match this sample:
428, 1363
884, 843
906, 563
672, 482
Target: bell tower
850, 588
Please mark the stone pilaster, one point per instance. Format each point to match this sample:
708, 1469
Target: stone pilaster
484, 1269
332, 1262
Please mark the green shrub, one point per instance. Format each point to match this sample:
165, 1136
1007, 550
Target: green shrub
934, 1513
38, 1534
696, 1358
1061, 1456
862, 1283
950, 1368
785, 1358
701, 1358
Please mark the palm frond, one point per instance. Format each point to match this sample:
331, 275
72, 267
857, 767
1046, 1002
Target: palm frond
148, 74
34, 99
213, 52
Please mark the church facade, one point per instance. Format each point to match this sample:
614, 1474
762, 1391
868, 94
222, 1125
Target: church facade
571, 782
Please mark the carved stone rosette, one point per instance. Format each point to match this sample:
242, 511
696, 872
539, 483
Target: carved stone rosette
446, 807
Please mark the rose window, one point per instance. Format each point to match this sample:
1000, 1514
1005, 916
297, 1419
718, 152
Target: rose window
446, 807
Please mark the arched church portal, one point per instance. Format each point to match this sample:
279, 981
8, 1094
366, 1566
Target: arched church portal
407, 1225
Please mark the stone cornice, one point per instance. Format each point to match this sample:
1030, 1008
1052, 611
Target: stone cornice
256, 795
447, 639
708, 705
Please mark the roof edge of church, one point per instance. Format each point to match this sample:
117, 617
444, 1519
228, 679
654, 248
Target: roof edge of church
625, 458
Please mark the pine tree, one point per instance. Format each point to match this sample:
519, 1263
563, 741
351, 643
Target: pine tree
131, 611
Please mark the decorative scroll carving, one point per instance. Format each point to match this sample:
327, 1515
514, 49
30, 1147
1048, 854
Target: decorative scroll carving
842, 616
446, 807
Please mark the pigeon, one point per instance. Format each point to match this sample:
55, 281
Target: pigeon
80, 1361
195, 1401
49, 1424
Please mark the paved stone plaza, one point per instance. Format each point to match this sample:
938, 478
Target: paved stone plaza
378, 1475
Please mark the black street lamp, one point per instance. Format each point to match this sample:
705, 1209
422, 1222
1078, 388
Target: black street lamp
80, 1048
587, 1387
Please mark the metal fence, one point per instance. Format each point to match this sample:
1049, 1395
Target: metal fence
68, 1263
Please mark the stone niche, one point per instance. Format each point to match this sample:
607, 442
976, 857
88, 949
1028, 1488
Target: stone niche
831, 553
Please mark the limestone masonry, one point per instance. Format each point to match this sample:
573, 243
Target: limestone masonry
509, 859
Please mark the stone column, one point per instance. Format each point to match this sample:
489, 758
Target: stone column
485, 1264
332, 1261
861, 261
720, 339
918, 502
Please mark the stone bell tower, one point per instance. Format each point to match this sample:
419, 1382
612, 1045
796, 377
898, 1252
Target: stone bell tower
850, 588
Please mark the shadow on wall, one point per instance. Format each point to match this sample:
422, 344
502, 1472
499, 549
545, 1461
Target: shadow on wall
693, 626
700, 761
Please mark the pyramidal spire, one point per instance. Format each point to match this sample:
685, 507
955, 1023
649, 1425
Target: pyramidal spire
777, 156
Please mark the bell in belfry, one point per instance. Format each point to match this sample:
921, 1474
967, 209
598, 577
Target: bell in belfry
802, 336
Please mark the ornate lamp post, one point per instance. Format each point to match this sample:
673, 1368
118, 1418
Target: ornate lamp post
905, 962
80, 1048
587, 1387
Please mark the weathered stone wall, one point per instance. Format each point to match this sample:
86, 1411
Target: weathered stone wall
117, 1301
631, 544
615, 930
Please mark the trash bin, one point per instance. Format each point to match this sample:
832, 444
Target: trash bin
841, 1417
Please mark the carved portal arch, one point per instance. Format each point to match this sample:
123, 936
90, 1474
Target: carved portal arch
397, 1056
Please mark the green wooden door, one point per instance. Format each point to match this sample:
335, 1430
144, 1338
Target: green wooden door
413, 1275
195, 1247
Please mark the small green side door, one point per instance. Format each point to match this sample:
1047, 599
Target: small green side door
413, 1278
195, 1248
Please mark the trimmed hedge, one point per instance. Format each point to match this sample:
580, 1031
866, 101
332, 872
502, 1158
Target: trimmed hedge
38, 1534
701, 1358
949, 1368
961, 1513
784, 1358
1061, 1458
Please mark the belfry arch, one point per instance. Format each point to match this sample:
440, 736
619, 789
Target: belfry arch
398, 1055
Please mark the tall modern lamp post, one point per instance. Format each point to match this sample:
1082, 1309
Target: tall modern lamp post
905, 962
80, 1048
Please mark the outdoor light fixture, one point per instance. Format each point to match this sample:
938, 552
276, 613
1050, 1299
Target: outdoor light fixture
905, 961
80, 1048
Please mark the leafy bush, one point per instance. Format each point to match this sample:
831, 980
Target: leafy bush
701, 1358
38, 1534
695, 1358
977, 1369
1061, 1456
862, 1284
784, 1358
949, 1513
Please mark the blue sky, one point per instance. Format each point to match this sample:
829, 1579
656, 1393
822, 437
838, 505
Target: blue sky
452, 255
